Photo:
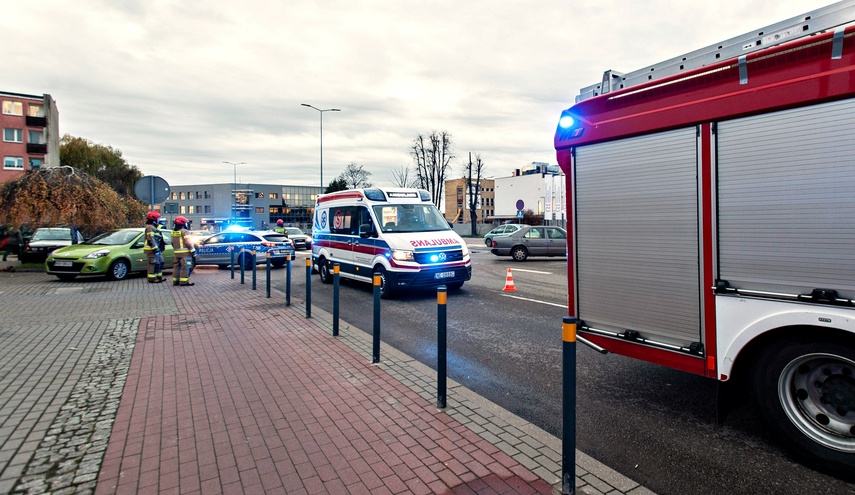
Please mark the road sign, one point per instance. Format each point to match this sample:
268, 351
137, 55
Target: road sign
151, 189
520, 204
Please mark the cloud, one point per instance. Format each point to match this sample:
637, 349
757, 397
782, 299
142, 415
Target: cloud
180, 87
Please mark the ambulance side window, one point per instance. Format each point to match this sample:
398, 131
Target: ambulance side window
340, 221
364, 218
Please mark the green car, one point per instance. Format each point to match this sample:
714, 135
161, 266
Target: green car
116, 254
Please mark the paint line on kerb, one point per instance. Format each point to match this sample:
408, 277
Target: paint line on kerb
535, 301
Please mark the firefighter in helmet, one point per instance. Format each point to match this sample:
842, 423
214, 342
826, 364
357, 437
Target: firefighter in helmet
152, 248
182, 245
279, 226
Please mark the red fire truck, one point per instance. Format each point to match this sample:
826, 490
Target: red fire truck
712, 207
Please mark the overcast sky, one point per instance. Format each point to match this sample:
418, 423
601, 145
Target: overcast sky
180, 87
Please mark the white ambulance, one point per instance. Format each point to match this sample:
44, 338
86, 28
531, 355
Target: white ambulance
397, 233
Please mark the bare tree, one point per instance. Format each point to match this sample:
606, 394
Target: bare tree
356, 177
473, 173
402, 177
433, 154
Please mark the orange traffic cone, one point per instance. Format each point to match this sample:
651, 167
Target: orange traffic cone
509, 282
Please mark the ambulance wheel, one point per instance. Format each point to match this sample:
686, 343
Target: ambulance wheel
806, 391
386, 292
119, 270
519, 253
325, 271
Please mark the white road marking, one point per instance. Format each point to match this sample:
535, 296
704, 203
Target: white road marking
535, 300
530, 271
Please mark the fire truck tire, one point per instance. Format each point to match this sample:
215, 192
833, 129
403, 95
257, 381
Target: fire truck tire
806, 392
325, 270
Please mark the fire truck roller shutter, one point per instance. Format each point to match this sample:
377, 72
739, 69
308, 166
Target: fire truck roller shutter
787, 200
637, 236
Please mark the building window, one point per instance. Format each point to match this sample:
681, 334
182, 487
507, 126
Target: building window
36, 137
14, 162
207, 208
259, 196
13, 108
174, 196
182, 209
191, 210
11, 135
181, 197
274, 195
207, 195
36, 163
35, 110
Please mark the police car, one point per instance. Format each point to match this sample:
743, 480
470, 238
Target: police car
218, 249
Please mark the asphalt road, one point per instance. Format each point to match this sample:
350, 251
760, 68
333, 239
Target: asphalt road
653, 424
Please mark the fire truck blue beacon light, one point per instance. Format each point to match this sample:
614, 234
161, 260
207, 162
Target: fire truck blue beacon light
566, 121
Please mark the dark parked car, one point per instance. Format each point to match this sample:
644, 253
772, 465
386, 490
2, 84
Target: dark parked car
44, 241
531, 241
504, 229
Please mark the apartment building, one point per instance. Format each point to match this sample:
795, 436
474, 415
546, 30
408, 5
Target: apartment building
457, 200
30, 133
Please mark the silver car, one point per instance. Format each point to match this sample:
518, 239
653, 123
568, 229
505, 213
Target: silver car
301, 240
503, 229
531, 241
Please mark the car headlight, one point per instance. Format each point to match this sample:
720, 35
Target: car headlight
465, 250
403, 256
97, 254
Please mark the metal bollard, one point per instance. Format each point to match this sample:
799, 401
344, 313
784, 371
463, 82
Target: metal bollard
441, 316
232, 252
336, 276
288, 280
253, 269
375, 348
268, 275
568, 436
242, 262
308, 288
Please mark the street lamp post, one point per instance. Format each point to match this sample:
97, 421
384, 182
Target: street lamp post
322, 137
234, 189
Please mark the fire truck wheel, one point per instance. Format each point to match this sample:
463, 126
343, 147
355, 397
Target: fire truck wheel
806, 391
325, 270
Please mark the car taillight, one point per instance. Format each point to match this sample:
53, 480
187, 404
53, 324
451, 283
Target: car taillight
492, 243
268, 244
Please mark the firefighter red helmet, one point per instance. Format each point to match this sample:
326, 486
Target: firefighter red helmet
153, 216
279, 222
181, 221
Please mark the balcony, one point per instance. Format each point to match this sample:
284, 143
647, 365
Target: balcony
36, 121
38, 149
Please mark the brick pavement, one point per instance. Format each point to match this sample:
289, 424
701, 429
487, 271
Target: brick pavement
230, 392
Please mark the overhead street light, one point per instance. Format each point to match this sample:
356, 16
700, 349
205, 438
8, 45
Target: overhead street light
234, 189
322, 137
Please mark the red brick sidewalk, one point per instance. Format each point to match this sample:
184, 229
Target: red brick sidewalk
238, 394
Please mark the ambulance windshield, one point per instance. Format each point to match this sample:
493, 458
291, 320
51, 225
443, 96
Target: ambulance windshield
410, 218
